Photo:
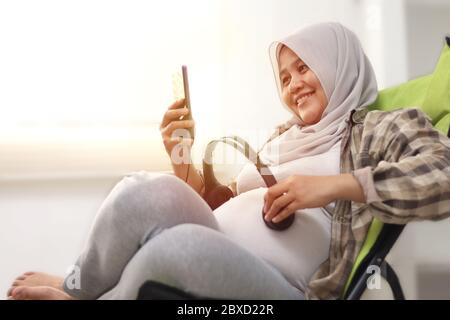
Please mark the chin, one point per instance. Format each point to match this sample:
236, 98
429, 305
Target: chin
309, 119
309, 115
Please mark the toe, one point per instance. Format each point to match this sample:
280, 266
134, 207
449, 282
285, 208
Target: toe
32, 293
17, 283
27, 293
17, 293
9, 292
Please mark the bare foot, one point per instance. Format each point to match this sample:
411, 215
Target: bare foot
38, 293
34, 279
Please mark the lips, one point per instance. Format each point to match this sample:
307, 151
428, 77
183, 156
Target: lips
301, 100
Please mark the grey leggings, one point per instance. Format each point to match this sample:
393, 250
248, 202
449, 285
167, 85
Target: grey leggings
156, 227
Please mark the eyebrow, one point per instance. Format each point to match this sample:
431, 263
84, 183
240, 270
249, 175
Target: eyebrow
294, 62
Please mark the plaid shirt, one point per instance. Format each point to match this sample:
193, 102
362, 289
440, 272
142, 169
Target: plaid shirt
409, 165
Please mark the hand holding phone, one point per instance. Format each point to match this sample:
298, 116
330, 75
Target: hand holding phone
180, 86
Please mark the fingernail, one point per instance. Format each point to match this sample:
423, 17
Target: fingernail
275, 220
266, 217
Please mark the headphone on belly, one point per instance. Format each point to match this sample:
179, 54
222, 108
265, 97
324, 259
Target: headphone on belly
216, 193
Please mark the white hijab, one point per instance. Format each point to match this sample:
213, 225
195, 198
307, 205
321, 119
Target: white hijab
335, 55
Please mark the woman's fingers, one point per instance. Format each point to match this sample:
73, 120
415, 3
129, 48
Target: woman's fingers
176, 130
179, 140
286, 212
278, 204
173, 114
174, 125
273, 193
177, 104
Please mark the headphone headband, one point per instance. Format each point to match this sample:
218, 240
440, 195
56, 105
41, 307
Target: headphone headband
244, 148
216, 194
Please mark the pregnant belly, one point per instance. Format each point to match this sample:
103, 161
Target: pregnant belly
296, 252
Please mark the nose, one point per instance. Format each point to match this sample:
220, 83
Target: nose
295, 84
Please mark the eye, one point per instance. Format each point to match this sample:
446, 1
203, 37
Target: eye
303, 68
284, 80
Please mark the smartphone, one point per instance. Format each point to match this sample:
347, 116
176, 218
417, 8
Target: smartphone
180, 85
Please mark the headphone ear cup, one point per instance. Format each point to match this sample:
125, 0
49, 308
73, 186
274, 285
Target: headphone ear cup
218, 195
279, 226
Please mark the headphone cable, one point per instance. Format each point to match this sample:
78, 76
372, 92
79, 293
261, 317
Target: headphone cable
187, 174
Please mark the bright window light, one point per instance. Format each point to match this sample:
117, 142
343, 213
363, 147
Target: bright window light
100, 63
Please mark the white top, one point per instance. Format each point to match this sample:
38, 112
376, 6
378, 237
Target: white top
298, 251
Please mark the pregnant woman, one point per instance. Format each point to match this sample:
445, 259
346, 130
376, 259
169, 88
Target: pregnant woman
337, 165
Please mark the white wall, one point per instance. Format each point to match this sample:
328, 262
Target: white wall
427, 25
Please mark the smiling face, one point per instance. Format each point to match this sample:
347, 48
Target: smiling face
301, 89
